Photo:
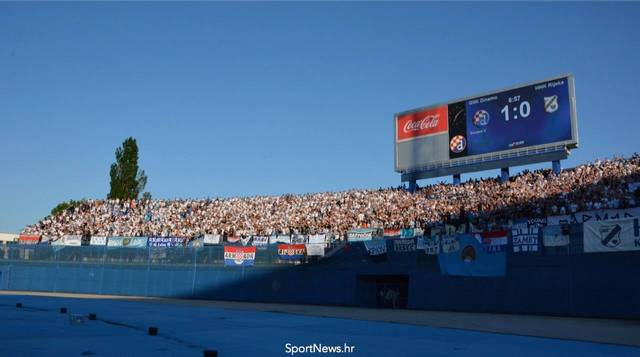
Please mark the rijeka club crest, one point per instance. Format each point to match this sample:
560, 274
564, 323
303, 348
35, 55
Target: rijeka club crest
428, 122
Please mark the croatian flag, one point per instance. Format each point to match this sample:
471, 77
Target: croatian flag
493, 242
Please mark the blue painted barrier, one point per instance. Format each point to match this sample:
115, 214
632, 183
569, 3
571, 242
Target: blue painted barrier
561, 281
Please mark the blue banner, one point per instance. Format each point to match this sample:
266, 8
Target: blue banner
130, 242
406, 233
376, 247
361, 234
471, 259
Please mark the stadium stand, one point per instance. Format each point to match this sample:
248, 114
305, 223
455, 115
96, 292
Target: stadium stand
479, 205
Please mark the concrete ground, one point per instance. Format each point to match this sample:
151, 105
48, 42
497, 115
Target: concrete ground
187, 327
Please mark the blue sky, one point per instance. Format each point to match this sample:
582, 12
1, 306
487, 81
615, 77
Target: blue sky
269, 98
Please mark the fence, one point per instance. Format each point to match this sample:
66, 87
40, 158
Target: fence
559, 280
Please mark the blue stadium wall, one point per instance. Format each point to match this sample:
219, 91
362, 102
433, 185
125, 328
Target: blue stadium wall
561, 281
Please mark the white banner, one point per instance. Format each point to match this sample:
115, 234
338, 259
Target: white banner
404, 245
211, 239
98, 240
298, 239
280, 239
552, 236
611, 236
524, 234
317, 238
600, 215
316, 249
74, 241
450, 245
432, 246
260, 241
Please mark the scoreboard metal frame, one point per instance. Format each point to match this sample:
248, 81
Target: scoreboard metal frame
554, 151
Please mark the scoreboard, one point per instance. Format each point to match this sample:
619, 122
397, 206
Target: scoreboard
506, 123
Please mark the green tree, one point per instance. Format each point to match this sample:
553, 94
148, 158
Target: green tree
61, 207
127, 180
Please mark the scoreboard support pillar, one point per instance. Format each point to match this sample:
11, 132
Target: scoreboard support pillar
456, 179
413, 186
555, 165
504, 174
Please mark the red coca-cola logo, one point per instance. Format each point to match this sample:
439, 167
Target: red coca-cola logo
423, 123
430, 121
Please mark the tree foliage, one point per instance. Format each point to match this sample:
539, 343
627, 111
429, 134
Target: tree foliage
64, 206
127, 180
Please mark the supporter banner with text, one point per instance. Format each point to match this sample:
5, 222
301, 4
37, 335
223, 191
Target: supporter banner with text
600, 215
472, 259
261, 242
69, 241
317, 238
98, 240
614, 235
212, 239
164, 241
130, 242
239, 256
280, 239
404, 245
524, 236
450, 245
197, 243
554, 236
360, 234
315, 249
291, 251
432, 245
376, 247
410, 232
298, 239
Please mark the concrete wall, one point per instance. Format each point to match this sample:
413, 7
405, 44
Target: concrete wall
561, 281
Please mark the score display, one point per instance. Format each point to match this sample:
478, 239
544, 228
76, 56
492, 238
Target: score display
528, 116
536, 115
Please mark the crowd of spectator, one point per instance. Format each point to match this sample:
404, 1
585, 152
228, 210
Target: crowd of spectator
486, 203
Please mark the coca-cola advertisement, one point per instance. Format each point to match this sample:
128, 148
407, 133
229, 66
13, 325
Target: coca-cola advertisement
423, 123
